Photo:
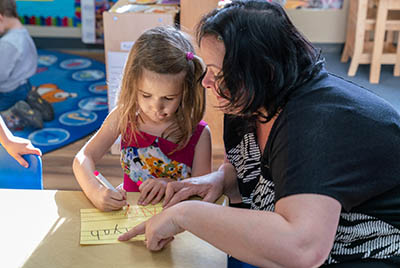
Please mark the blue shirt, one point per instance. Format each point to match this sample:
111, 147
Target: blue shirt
18, 59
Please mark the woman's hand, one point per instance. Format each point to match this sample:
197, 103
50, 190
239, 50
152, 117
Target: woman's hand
159, 230
17, 147
209, 187
107, 200
152, 190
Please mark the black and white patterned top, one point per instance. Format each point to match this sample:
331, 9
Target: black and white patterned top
324, 147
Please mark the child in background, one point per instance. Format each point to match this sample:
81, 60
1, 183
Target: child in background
19, 105
158, 115
16, 146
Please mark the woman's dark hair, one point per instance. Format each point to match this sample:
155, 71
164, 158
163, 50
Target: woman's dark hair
266, 58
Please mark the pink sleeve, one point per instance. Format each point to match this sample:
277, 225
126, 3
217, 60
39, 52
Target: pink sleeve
129, 185
197, 133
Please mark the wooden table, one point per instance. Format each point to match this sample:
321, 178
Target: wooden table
41, 228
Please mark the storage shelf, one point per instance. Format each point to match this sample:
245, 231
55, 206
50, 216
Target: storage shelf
53, 31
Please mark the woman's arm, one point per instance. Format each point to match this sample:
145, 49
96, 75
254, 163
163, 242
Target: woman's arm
300, 233
84, 166
209, 187
202, 160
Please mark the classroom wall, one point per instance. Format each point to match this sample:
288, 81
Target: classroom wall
322, 26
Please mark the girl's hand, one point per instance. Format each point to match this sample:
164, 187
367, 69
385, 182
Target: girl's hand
120, 189
108, 200
159, 230
17, 147
152, 190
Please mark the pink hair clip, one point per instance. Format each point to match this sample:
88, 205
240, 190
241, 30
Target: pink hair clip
189, 56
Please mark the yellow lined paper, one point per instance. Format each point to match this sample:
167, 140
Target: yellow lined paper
99, 227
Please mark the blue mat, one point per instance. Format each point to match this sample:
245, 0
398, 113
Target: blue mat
76, 88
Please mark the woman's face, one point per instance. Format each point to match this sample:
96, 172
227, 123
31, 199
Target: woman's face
212, 51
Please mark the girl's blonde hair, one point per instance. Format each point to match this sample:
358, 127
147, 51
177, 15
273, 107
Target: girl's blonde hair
163, 50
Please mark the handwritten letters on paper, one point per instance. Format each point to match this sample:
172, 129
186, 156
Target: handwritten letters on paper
99, 227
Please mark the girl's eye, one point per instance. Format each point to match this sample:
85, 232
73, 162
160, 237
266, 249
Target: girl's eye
168, 98
146, 96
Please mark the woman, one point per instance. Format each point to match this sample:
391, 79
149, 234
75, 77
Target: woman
315, 158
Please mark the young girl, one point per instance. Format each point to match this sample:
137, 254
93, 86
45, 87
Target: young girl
158, 116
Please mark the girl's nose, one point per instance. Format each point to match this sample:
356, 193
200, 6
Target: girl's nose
158, 105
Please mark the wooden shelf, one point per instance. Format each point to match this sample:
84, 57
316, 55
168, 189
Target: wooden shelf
53, 31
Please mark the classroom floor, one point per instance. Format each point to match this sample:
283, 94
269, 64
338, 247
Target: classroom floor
388, 87
57, 165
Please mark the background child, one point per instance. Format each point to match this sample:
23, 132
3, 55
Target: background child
20, 105
16, 146
158, 116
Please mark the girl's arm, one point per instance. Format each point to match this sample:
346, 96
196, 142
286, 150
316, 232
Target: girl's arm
300, 233
16, 146
84, 166
202, 160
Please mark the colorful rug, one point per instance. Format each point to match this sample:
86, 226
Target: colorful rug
76, 88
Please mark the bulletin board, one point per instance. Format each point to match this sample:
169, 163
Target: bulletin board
63, 13
63, 18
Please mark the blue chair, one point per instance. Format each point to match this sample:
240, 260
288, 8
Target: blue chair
15, 176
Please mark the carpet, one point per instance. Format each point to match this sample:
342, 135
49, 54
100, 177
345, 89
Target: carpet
76, 88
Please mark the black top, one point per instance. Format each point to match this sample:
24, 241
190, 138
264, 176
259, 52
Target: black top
332, 138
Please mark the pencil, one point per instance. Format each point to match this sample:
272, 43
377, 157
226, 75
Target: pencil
127, 209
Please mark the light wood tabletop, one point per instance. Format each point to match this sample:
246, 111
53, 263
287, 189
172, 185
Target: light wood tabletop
41, 228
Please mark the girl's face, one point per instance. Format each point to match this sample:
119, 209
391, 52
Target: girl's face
159, 96
213, 52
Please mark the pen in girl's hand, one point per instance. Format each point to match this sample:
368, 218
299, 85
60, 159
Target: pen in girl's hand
104, 181
127, 209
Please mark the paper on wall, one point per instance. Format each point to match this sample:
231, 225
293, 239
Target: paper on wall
88, 22
115, 67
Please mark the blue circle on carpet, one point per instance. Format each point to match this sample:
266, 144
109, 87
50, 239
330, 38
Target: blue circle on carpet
93, 103
78, 118
49, 136
47, 60
64, 93
98, 88
88, 75
75, 64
